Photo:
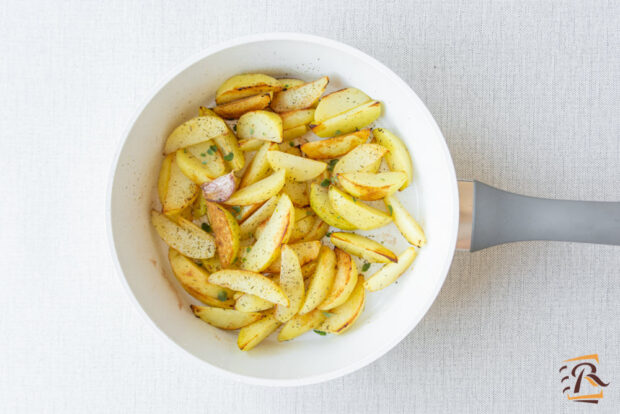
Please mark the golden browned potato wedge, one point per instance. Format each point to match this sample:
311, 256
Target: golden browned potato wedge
295, 132
318, 231
289, 148
242, 86
194, 131
226, 231
205, 158
345, 315
246, 211
371, 186
344, 281
335, 147
247, 228
358, 213
308, 269
276, 233
259, 167
252, 335
319, 201
185, 237
292, 283
296, 118
397, 158
363, 247
263, 125
199, 208
305, 252
299, 97
259, 191
297, 168
391, 271
286, 83
297, 192
248, 145
321, 281
251, 303
250, 282
363, 158
204, 111
195, 280
164, 177
302, 228
234, 109
180, 191
212, 264
228, 146
408, 227
353, 119
229, 319
301, 324
338, 102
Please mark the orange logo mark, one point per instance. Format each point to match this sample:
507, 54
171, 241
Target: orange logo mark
575, 372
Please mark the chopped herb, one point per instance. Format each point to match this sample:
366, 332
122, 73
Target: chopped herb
285, 86
328, 234
332, 164
309, 213
213, 148
247, 249
365, 267
229, 157
328, 314
236, 209
204, 163
390, 209
184, 150
291, 143
210, 151
222, 295
337, 132
206, 227
354, 199
202, 154
251, 130
325, 182
235, 127
320, 332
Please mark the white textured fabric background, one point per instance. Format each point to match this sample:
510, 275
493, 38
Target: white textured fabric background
526, 93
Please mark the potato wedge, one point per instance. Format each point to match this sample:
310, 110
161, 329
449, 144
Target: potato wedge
228, 319
299, 97
358, 213
302, 228
209, 158
297, 192
308, 269
186, 237
319, 201
220, 189
321, 281
363, 158
247, 211
297, 168
164, 177
391, 271
248, 145
344, 281
226, 231
295, 132
289, 148
335, 147
212, 264
286, 83
371, 186
305, 252
204, 111
292, 283
353, 119
195, 280
250, 282
242, 86
253, 334
199, 208
228, 146
318, 231
346, 314
397, 158
263, 125
301, 324
259, 191
408, 227
180, 190
276, 233
194, 131
251, 303
338, 102
299, 117
363, 247
234, 109
259, 167
247, 228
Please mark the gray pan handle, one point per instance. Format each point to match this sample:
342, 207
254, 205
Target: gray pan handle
502, 217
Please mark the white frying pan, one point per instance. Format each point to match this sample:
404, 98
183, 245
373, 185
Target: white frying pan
489, 216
